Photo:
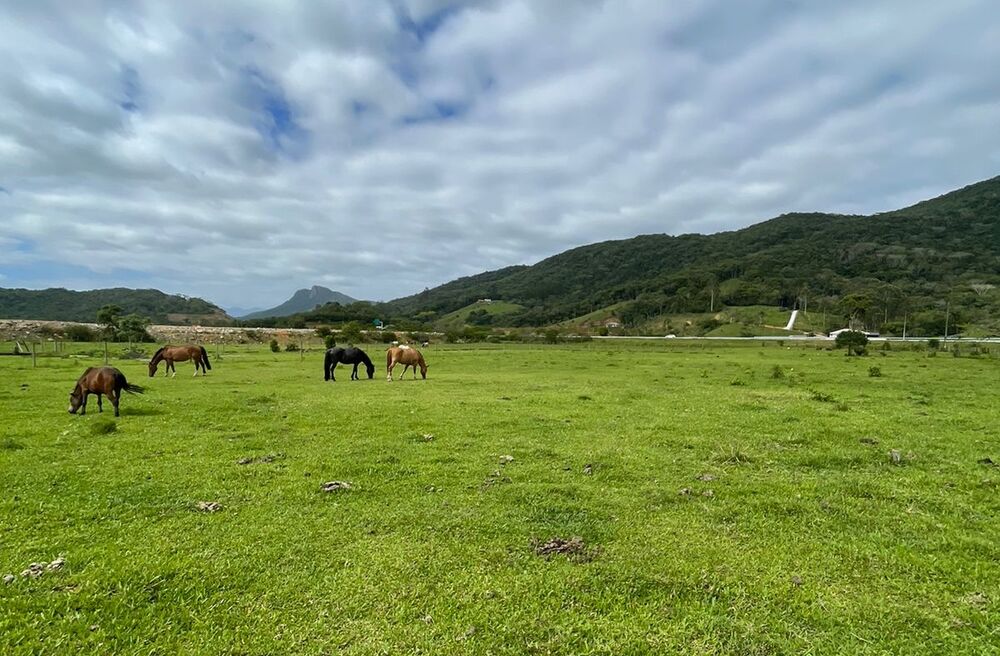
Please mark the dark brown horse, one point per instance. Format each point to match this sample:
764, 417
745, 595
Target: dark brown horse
406, 356
106, 381
172, 354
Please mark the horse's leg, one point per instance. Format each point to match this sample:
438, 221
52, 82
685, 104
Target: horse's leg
354, 372
83, 404
114, 396
333, 369
388, 371
100, 408
196, 361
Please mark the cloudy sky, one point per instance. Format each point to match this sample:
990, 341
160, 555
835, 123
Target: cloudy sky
238, 150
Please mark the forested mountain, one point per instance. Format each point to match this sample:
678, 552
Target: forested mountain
67, 305
916, 262
304, 300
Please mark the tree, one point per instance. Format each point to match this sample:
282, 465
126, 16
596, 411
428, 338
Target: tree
350, 332
133, 327
852, 340
109, 317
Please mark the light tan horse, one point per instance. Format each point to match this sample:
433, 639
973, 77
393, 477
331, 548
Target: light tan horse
172, 354
406, 356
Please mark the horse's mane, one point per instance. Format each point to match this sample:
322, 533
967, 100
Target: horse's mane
159, 352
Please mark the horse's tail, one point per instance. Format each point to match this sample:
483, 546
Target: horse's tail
388, 358
204, 355
123, 384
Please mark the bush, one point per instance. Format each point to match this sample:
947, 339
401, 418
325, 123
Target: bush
291, 347
854, 341
933, 343
551, 336
79, 333
874, 372
777, 372
275, 348
329, 340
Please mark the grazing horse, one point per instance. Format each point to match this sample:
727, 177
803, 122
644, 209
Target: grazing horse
408, 357
100, 380
350, 355
172, 354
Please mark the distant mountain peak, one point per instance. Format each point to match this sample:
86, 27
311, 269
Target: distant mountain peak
304, 300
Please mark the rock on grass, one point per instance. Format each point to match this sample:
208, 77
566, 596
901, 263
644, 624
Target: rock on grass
337, 486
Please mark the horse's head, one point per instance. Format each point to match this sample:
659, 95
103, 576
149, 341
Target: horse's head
371, 370
423, 369
152, 369
75, 399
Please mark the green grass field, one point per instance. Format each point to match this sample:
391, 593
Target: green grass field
723, 510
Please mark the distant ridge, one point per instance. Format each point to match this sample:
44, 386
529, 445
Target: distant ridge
58, 304
303, 300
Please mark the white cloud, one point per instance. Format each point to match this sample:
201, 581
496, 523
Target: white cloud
238, 150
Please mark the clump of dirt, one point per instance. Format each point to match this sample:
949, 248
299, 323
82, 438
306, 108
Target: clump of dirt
705, 477
337, 486
495, 478
506, 460
8, 578
574, 548
896, 457
208, 506
35, 570
987, 461
685, 492
588, 469
270, 457
868, 440
428, 437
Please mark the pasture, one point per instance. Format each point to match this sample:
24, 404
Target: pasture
731, 499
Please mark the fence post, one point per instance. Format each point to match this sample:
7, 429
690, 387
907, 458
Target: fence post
105, 351
34, 355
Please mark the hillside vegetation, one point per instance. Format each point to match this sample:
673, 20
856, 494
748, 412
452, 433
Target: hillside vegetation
875, 269
66, 305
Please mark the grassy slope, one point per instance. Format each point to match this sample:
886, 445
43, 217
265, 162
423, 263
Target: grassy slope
812, 541
459, 318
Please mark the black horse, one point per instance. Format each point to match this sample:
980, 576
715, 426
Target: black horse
350, 355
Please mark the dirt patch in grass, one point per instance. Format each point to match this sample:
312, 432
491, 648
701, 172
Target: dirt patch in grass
208, 506
268, 458
336, 486
574, 548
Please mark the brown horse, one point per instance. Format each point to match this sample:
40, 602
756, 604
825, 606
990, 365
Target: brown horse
172, 354
100, 380
406, 356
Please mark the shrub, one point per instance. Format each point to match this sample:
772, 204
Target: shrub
777, 372
275, 348
854, 341
933, 343
79, 333
329, 340
874, 372
291, 347
551, 336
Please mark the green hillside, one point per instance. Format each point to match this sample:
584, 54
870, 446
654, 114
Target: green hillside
66, 305
492, 313
919, 263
